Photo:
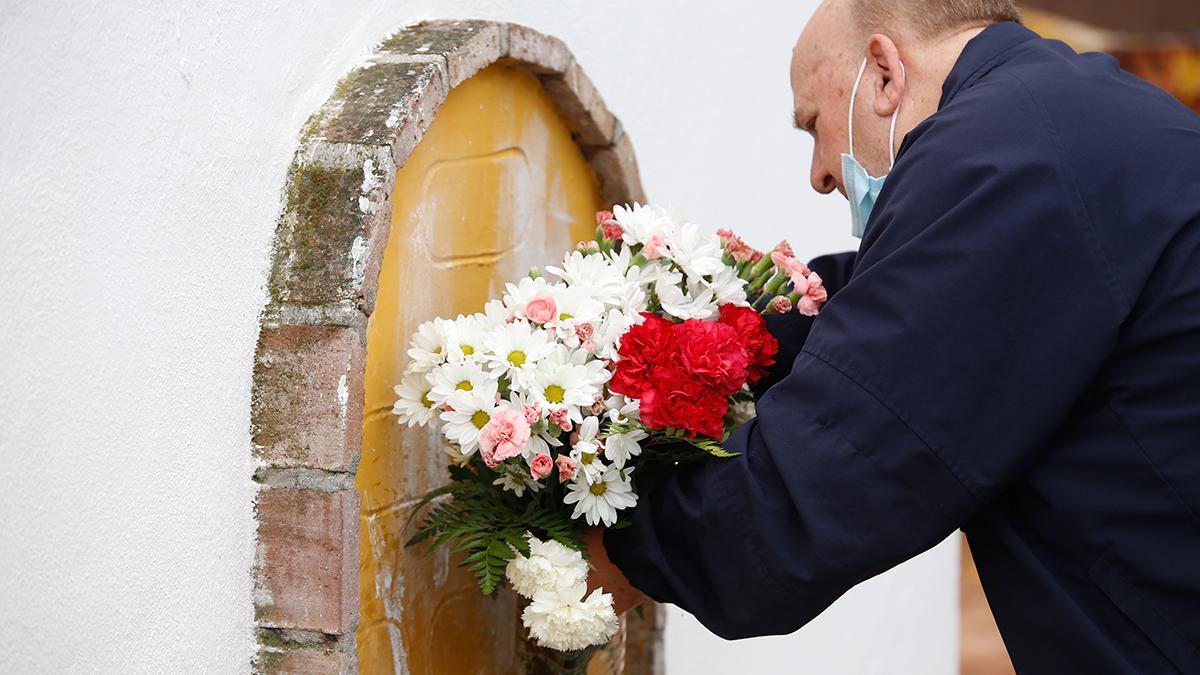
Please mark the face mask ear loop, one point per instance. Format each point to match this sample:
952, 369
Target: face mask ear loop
853, 95
892, 132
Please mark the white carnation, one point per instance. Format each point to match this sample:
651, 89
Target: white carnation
565, 620
550, 566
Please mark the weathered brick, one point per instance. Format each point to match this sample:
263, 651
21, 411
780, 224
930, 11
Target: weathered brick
307, 402
306, 574
303, 662
370, 102
542, 54
616, 167
329, 236
582, 107
468, 46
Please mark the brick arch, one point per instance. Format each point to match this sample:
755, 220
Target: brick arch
306, 412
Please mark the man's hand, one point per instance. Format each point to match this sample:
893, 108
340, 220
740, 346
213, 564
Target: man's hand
605, 574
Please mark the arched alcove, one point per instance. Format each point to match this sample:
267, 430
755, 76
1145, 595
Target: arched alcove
385, 224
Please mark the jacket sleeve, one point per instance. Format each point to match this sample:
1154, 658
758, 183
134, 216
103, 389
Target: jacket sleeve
978, 311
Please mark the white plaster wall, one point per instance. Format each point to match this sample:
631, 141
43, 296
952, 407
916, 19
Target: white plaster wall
143, 145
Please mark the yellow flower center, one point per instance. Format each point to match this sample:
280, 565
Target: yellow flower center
437, 350
425, 400
465, 385
555, 393
480, 419
599, 488
467, 350
587, 457
517, 358
564, 316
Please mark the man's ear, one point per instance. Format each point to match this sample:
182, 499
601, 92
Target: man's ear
883, 59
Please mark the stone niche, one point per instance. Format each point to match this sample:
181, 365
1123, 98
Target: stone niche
461, 153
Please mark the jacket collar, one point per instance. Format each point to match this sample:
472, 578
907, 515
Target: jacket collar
982, 53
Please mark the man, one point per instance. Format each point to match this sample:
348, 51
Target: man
1015, 352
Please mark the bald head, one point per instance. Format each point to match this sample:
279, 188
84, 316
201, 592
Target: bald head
906, 49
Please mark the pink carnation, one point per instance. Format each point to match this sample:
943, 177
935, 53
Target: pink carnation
566, 468
504, 436
655, 247
541, 308
785, 248
533, 413
603, 217
725, 235
813, 296
740, 250
559, 416
540, 466
613, 230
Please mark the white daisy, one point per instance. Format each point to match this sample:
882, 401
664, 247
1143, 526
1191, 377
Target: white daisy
428, 348
550, 566
518, 295
607, 336
455, 377
698, 303
620, 448
621, 410
515, 349
494, 314
586, 450
640, 222
599, 502
697, 251
558, 383
464, 338
516, 482
469, 411
593, 273
414, 407
576, 307
565, 620
728, 287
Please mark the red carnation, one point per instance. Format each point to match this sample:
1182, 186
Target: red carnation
714, 353
761, 346
677, 401
643, 347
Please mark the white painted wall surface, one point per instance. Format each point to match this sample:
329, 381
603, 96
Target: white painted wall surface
143, 146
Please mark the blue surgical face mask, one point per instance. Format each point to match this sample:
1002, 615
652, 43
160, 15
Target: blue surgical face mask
862, 189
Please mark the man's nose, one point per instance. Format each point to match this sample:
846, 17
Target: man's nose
822, 181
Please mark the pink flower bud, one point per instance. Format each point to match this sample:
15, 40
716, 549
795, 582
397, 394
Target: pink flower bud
781, 304
541, 308
566, 468
655, 248
541, 466
613, 230
559, 417
533, 413
603, 217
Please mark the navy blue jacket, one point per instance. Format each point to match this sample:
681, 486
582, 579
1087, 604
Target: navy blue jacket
1016, 352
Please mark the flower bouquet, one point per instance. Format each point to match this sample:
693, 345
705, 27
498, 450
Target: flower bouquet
638, 348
